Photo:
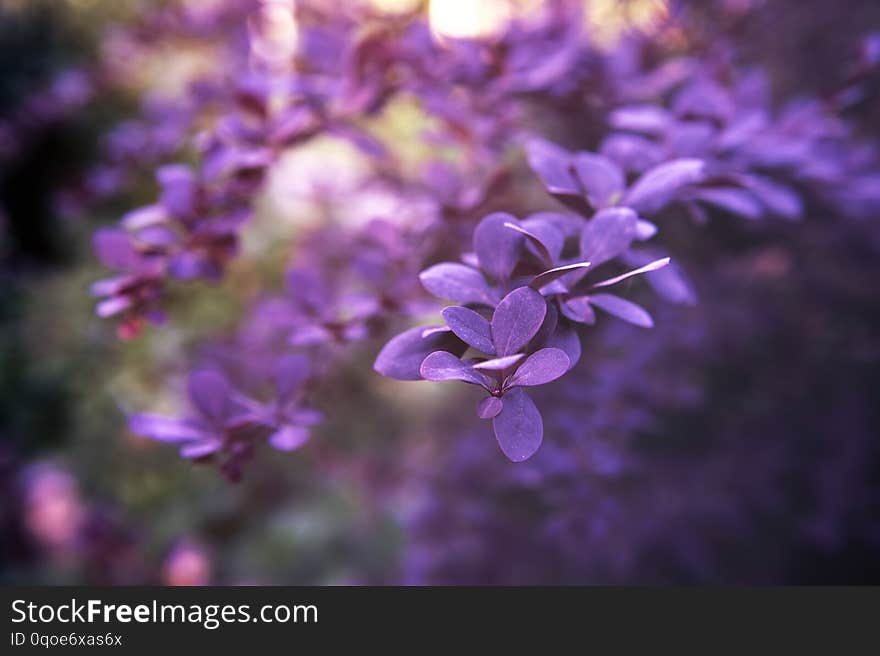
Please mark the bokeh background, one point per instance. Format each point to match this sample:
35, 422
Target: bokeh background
754, 417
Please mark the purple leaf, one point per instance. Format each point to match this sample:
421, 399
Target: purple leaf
546, 329
632, 152
210, 393
780, 200
541, 367
549, 231
551, 164
601, 179
670, 282
155, 237
164, 429
143, 217
651, 266
402, 357
201, 449
653, 190
471, 327
290, 373
608, 234
543, 279
498, 248
738, 202
113, 306
578, 309
647, 119
566, 339
623, 309
536, 242
457, 282
441, 365
178, 189
500, 364
289, 438
489, 407
645, 230
114, 249
518, 428
517, 318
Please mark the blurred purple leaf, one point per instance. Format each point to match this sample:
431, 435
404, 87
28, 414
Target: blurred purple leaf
657, 186
457, 282
623, 309
401, 358
210, 393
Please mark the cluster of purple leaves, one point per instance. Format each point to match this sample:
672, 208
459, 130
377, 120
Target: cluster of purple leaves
225, 424
682, 138
673, 456
520, 300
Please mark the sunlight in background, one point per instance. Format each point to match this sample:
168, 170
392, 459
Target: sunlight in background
466, 19
486, 19
395, 6
608, 20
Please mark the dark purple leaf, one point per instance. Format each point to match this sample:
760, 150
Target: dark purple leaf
566, 339
402, 357
537, 244
608, 234
547, 328
541, 367
518, 428
622, 309
489, 407
498, 248
470, 327
548, 231
578, 309
517, 318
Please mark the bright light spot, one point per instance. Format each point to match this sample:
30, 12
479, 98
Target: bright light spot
274, 33
469, 19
